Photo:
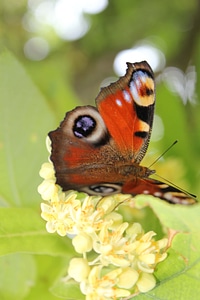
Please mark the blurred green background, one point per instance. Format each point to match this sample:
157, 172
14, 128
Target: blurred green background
59, 54
70, 47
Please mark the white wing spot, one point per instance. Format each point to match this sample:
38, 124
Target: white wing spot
146, 192
134, 92
127, 96
144, 78
169, 196
157, 194
118, 102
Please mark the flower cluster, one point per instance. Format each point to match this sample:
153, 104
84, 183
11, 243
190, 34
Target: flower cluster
116, 258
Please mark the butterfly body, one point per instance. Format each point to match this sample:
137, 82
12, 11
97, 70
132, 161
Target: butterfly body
99, 150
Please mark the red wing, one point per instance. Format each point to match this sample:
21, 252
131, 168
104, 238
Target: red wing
82, 153
127, 108
158, 189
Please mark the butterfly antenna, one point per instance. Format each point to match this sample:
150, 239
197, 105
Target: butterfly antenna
176, 186
159, 157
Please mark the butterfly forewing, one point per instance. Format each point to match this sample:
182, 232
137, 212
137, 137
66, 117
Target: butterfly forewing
131, 101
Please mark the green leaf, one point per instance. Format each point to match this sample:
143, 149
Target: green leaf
25, 120
177, 217
67, 290
23, 230
178, 276
48, 268
17, 276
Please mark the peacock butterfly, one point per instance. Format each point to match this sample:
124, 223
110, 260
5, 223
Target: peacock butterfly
99, 150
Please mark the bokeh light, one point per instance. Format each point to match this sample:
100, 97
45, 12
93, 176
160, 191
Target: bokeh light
158, 129
180, 83
69, 20
140, 52
36, 48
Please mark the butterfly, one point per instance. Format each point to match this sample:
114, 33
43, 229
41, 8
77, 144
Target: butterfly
98, 150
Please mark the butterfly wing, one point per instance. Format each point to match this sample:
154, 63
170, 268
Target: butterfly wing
158, 189
127, 108
89, 143
99, 150
80, 148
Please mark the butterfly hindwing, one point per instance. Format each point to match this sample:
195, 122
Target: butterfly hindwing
158, 189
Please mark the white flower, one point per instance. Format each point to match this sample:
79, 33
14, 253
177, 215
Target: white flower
103, 287
123, 257
78, 269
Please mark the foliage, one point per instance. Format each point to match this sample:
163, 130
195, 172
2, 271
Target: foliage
23, 231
